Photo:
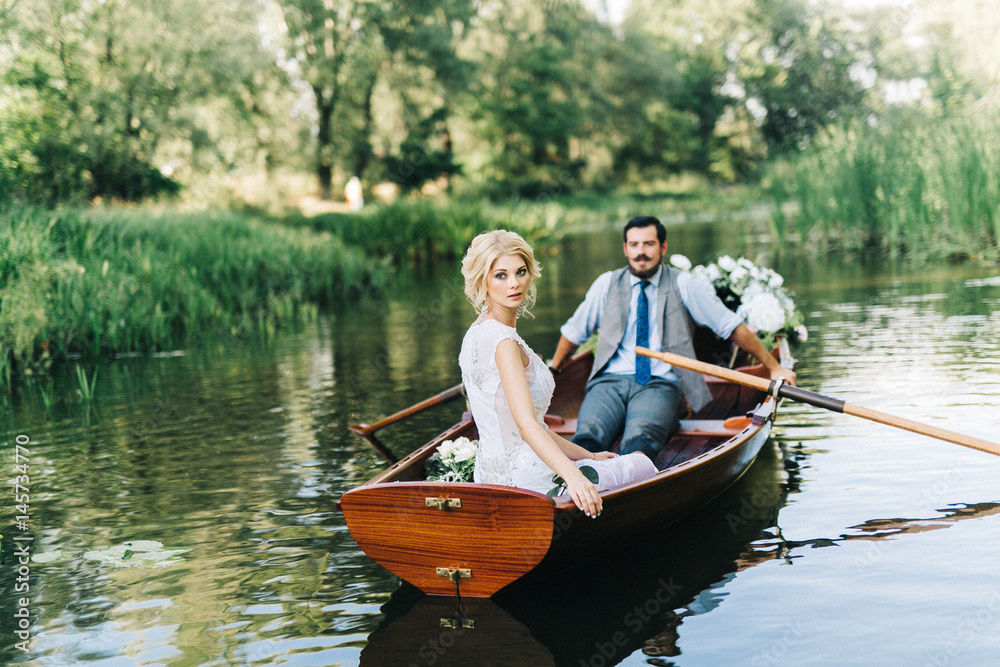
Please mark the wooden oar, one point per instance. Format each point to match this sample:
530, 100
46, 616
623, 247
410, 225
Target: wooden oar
443, 397
821, 401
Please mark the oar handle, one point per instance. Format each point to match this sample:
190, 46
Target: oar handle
820, 401
443, 397
811, 397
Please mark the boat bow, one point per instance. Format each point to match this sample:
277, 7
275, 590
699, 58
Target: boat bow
437, 534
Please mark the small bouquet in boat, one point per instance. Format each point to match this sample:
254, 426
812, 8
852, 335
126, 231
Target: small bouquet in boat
755, 293
454, 461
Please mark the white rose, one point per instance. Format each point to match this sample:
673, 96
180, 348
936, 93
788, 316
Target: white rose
738, 279
727, 263
466, 451
681, 262
775, 280
763, 312
446, 448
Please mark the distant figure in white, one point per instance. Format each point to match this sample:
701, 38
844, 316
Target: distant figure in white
352, 192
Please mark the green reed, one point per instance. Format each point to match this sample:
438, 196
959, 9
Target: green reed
925, 187
412, 231
91, 282
85, 385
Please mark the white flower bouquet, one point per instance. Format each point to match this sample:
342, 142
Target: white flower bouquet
454, 461
755, 293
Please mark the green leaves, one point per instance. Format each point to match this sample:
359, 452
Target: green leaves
560, 483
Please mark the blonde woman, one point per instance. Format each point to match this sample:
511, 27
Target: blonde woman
509, 386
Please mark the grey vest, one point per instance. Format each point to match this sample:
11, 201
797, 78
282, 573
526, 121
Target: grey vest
676, 325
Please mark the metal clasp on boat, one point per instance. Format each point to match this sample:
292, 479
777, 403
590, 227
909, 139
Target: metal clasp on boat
763, 412
454, 573
443, 503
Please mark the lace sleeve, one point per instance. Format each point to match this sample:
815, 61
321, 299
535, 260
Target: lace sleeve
484, 350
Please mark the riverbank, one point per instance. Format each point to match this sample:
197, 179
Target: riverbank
86, 282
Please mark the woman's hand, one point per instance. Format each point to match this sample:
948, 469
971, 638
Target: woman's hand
585, 495
603, 456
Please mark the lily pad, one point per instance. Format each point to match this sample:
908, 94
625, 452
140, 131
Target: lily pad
47, 556
137, 553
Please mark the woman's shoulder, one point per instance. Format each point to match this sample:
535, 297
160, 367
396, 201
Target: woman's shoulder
493, 329
488, 334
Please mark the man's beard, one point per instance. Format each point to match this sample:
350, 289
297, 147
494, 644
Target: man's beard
643, 275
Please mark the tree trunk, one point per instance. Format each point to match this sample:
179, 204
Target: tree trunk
324, 140
363, 144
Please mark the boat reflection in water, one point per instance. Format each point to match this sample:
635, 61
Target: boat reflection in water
634, 598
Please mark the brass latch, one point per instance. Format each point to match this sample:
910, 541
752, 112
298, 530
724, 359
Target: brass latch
443, 503
455, 623
454, 573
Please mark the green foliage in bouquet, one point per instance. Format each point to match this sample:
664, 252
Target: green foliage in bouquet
454, 461
560, 483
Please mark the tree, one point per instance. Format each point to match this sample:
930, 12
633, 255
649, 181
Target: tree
798, 68
690, 46
338, 48
531, 95
642, 82
100, 87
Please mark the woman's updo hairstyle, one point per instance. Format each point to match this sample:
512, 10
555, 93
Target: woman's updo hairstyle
478, 261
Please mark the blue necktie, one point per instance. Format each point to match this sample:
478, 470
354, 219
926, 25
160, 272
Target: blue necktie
642, 335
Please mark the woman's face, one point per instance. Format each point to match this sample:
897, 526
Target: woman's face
508, 281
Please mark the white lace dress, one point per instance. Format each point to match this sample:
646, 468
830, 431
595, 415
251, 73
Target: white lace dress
504, 457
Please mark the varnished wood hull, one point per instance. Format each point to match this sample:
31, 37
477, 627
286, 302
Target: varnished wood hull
497, 535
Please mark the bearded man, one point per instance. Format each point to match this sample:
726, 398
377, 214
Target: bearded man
647, 304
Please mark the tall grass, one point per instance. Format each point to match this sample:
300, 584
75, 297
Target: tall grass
428, 229
82, 282
401, 232
424, 229
925, 187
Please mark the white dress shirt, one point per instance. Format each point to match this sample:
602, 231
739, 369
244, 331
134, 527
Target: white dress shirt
700, 299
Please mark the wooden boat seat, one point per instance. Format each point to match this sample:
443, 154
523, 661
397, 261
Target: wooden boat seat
687, 427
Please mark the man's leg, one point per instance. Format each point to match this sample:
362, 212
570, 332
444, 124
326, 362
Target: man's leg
651, 416
602, 413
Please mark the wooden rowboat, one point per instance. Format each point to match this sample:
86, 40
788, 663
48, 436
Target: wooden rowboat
449, 537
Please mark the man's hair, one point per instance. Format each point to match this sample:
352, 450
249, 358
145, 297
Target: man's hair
641, 221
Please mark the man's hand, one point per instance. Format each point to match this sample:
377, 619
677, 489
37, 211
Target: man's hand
782, 373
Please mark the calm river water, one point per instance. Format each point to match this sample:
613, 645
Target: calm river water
848, 542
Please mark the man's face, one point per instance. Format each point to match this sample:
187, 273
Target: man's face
643, 251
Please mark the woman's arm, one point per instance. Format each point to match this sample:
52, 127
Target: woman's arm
514, 381
575, 452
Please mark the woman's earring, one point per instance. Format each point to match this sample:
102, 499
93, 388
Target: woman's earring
520, 310
482, 308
